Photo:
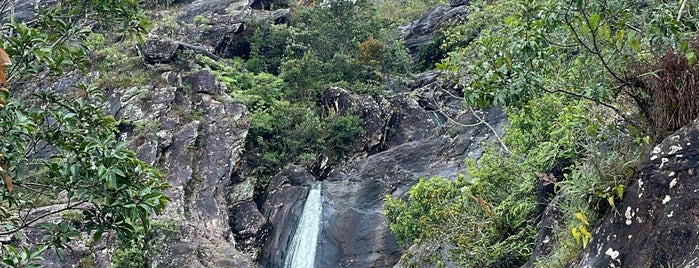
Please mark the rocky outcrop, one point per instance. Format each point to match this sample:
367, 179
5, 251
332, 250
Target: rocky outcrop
354, 233
416, 145
420, 32
283, 205
219, 27
407, 137
196, 138
194, 132
655, 225
249, 225
387, 121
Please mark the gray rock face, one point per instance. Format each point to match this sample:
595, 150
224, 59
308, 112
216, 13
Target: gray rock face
196, 139
249, 225
656, 223
283, 206
403, 141
218, 27
419, 33
387, 121
353, 230
354, 233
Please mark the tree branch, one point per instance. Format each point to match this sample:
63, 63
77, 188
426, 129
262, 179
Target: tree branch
197, 49
26, 224
679, 13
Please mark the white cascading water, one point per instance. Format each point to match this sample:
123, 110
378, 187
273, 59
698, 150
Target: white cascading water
301, 253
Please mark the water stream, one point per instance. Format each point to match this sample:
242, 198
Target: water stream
301, 252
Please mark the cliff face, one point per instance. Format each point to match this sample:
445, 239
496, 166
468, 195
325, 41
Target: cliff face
188, 126
183, 122
414, 140
198, 142
656, 223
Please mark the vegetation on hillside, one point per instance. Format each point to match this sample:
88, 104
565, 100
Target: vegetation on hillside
65, 172
587, 85
350, 44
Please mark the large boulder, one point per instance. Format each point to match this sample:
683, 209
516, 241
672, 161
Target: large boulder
655, 225
249, 225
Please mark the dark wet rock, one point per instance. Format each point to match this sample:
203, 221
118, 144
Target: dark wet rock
354, 233
249, 225
545, 237
655, 224
402, 143
353, 230
283, 205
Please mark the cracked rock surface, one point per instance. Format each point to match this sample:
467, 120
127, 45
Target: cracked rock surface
656, 223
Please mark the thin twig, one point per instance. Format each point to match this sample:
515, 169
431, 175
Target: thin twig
481, 121
679, 13
504, 147
28, 223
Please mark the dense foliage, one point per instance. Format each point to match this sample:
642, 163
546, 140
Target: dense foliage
337, 43
587, 86
59, 153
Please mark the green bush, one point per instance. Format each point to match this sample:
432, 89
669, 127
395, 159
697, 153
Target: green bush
138, 251
481, 230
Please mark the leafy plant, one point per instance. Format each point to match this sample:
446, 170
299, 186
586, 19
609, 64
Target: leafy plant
63, 148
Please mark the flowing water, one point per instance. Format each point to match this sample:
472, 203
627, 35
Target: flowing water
301, 252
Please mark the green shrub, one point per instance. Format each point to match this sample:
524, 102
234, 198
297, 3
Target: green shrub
481, 231
138, 251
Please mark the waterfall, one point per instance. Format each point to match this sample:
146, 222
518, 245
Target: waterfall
437, 117
301, 252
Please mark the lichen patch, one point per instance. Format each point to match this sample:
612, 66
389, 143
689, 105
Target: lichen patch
614, 254
629, 215
675, 148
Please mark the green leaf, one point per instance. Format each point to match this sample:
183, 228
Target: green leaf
594, 20
691, 57
97, 235
119, 172
581, 216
